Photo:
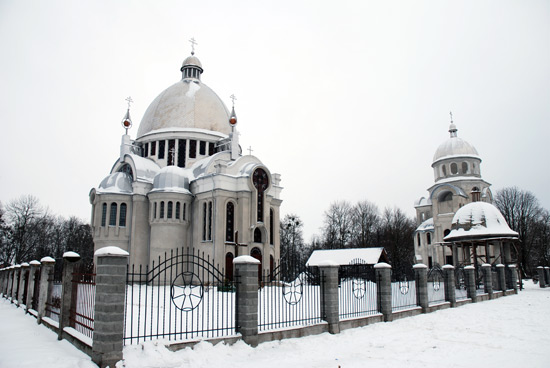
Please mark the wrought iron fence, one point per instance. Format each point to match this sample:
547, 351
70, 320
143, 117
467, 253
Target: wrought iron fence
53, 302
289, 296
183, 296
494, 277
357, 290
480, 280
403, 290
460, 284
81, 316
436, 285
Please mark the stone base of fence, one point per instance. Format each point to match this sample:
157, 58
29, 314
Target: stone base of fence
436, 307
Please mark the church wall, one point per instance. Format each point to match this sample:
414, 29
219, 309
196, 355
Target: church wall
111, 235
139, 241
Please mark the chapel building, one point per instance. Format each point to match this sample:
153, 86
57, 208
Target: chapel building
184, 183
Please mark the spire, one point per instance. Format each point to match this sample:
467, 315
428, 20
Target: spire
234, 136
452, 127
233, 116
126, 120
192, 67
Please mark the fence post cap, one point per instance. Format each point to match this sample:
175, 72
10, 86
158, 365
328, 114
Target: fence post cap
470, 267
448, 267
71, 256
47, 260
24, 264
111, 251
35, 263
419, 266
540, 267
547, 267
486, 265
327, 263
500, 265
245, 260
17, 266
382, 265
512, 265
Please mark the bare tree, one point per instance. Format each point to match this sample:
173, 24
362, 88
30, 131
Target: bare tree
522, 212
338, 228
366, 220
396, 236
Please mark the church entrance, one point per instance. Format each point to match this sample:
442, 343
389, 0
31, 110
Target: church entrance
257, 253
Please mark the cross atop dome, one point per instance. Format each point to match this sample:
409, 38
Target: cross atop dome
452, 127
193, 43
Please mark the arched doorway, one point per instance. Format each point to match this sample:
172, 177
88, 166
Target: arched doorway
229, 266
257, 253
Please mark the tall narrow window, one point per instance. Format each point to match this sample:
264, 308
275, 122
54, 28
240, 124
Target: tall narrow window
171, 151
104, 214
181, 152
418, 239
192, 148
202, 148
161, 209
169, 211
153, 148
428, 238
177, 210
454, 168
210, 149
122, 216
183, 212
112, 215
146, 150
464, 167
229, 222
271, 229
229, 266
257, 235
155, 211
162, 148
209, 220
261, 182
204, 206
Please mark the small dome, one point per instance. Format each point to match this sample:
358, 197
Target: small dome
479, 220
192, 61
118, 182
454, 147
171, 179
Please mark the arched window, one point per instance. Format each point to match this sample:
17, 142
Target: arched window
257, 235
229, 266
446, 232
257, 253
207, 221
261, 182
447, 196
428, 238
271, 229
155, 211
122, 216
161, 209
464, 167
418, 239
183, 213
169, 210
112, 215
454, 168
104, 214
444, 170
229, 222
177, 210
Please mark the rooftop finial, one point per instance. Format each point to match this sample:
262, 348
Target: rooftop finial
233, 98
126, 120
452, 127
451, 113
193, 43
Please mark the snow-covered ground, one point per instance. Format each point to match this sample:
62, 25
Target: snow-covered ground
506, 332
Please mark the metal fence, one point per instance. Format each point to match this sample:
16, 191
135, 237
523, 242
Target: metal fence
53, 304
436, 285
289, 296
403, 291
81, 316
460, 284
357, 291
183, 296
480, 280
36, 290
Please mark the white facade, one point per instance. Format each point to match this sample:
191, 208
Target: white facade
183, 183
457, 182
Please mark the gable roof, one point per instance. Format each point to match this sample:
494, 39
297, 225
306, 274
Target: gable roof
344, 257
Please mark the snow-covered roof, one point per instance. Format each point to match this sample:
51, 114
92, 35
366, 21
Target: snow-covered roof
345, 256
479, 220
146, 169
171, 179
117, 183
423, 202
427, 225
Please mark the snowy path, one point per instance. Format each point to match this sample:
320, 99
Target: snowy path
508, 332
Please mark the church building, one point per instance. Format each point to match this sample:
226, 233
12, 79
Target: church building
457, 222
184, 183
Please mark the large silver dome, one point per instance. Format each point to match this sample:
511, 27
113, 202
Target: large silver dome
454, 147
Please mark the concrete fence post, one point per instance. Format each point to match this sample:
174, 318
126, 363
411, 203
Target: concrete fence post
501, 272
13, 277
46, 286
487, 279
110, 294
450, 288
421, 281
513, 278
383, 287
24, 274
542, 276
246, 317
547, 274
69, 262
469, 272
329, 295
15, 283
30, 288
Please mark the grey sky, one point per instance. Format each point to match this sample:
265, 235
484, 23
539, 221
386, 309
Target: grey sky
347, 100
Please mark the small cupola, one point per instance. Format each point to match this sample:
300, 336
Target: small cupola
191, 67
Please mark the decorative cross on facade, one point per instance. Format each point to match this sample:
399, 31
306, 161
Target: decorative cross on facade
250, 150
451, 113
193, 43
129, 99
173, 155
233, 98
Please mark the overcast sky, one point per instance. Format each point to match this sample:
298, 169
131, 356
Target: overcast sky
347, 100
